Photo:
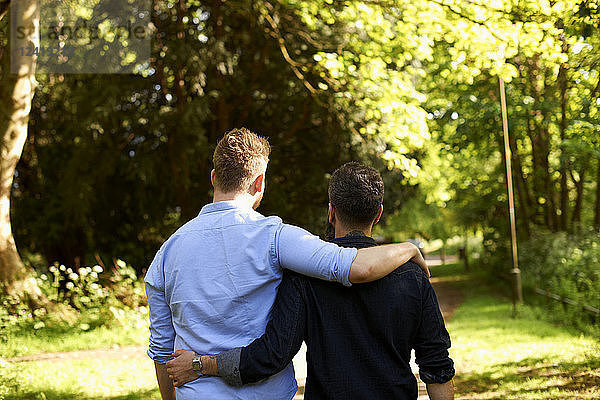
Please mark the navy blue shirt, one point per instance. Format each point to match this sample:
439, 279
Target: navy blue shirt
359, 338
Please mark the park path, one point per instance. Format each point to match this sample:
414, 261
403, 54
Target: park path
449, 299
115, 353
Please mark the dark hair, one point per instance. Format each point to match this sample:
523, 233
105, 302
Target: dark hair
356, 194
238, 158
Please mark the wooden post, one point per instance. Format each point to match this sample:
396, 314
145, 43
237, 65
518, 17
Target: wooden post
443, 252
515, 271
466, 250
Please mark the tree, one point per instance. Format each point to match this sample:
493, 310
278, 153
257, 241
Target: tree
115, 163
17, 89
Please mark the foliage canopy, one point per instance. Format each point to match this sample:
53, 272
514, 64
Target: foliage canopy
114, 163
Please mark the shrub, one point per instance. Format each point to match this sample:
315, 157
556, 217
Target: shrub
567, 265
86, 298
9, 379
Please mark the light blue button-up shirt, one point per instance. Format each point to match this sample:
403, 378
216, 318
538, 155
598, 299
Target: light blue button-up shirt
212, 285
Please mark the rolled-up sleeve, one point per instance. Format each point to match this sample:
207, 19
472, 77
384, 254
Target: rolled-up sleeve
432, 340
299, 250
162, 333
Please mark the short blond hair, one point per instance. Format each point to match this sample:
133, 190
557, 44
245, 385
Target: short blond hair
238, 158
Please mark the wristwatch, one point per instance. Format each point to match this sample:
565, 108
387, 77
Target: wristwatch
197, 364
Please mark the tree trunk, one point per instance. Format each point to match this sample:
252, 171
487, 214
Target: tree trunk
536, 216
177, 141
16, 92
564, 95
443, 252
466, 251
223, 111
550, 194
521, 184
576, 219
543, 184
597, 213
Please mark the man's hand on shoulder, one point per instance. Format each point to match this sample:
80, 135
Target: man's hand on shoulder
180, 369
420, 261
372, 263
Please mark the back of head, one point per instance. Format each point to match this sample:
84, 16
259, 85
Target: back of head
240, 156
356, 194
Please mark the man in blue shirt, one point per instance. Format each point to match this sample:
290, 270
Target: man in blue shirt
212, 284
359, 338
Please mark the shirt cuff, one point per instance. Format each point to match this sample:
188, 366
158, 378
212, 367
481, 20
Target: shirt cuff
228, 364
441, 376
159, 357
347, 256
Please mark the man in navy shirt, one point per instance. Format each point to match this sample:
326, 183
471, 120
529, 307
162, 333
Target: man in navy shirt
359, 338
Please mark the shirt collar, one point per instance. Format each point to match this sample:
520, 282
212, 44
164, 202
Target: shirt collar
224, 206
355, 240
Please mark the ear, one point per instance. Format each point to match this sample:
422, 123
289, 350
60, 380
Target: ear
212, 177
259, 184
331, 214
378, 215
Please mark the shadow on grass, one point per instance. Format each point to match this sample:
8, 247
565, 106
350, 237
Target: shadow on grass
517, 378
63, 395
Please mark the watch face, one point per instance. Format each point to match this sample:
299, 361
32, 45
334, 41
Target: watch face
196, 364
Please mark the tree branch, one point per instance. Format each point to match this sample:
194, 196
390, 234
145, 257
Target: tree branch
468, 18
4, 4
282, 47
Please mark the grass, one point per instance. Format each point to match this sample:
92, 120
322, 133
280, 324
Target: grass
27, 341
496, 356
90, 379
501, 357
124, 378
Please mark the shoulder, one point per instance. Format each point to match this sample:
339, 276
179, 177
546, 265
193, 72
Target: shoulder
410, 267
410, 271
175, 238
255, 216
272, 220
406, 280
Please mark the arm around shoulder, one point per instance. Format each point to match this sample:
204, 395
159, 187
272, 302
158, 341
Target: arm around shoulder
303, 252
373, 263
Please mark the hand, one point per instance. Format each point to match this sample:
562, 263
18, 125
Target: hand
420, 261
180, 368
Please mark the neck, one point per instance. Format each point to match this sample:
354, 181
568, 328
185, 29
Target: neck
242, 198
341, 231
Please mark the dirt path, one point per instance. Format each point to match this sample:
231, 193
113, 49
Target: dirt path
449, 297
115, 352
433, 261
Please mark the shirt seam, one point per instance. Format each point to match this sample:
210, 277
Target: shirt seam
274, 253
237, 292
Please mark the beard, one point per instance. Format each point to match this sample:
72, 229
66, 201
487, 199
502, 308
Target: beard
329, 232
257, 201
